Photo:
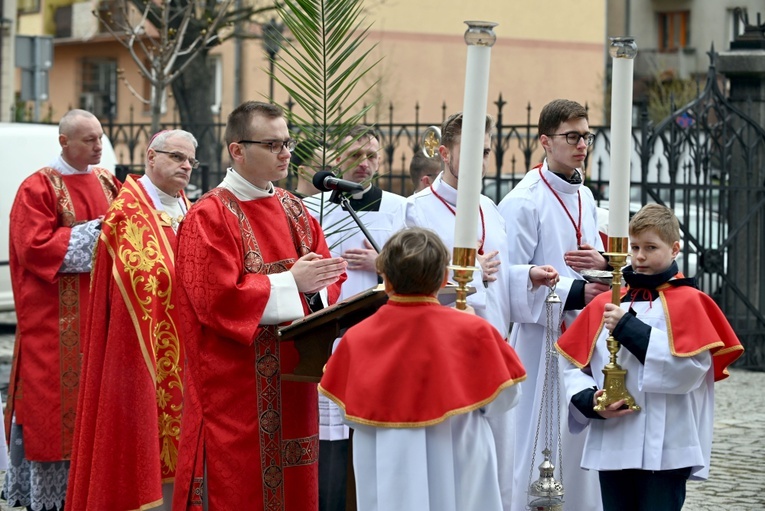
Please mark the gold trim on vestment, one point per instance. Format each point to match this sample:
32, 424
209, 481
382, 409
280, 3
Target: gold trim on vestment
143, 270
413, 299
69, 310
422, 424
266, 345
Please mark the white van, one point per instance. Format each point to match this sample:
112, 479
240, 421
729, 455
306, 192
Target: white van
24, 149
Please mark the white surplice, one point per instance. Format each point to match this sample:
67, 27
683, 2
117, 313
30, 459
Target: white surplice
676, 396
460, 449
495, 302
540, 232
342, 233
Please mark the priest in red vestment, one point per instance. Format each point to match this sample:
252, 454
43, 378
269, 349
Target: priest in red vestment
55, 220
129, 412
249, 259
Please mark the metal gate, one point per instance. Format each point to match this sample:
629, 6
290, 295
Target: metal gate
707, 162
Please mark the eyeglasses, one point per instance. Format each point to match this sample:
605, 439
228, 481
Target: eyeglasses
572, 137
274, 145
179, 157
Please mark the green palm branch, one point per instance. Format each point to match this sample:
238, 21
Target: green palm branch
323, 67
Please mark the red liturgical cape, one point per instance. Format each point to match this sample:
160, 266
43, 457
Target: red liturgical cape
257, 434
415, 363
129, 412
694, 324
50, 306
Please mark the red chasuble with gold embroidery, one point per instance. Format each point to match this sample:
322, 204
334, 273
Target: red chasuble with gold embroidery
415, 363
129, 413
50, 306
694, 324
257, 434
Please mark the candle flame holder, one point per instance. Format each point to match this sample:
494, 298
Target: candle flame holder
623, 47
463, 266
614, 381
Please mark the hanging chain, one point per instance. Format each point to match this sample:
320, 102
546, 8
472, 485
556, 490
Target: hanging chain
552, 338
550, 402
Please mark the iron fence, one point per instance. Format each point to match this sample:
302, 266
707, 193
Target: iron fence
706, 162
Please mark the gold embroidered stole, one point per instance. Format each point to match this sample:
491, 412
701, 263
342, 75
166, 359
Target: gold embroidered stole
275, 454
144, 271
69, 306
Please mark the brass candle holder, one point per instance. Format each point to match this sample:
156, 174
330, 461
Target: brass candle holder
463, 266
614, 382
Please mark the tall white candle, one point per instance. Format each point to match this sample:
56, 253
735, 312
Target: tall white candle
479, 38
623, 51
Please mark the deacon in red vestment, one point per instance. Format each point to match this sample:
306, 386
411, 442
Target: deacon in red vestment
129, 412
418, 382
249, 258
54, 225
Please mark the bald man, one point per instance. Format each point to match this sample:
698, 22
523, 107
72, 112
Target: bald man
55, 222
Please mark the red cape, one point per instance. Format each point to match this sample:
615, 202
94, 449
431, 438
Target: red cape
694, 324
415, 363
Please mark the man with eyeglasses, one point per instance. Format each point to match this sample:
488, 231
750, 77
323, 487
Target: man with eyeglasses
551, 218
54, 224
134, 342
496, 283
249, 259
357, 161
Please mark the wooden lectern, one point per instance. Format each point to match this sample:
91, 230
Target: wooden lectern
314, 334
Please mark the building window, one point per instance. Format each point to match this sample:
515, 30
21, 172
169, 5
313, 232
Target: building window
28, 6
674, 30
111, 12
735, 23
99, 87
215, 65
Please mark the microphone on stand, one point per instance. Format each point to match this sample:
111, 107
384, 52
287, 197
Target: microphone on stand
325, 181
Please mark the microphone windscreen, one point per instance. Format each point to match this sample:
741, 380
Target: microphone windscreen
318, 180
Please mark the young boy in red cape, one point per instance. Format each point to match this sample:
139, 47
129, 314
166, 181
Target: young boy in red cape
676, 343
416, 381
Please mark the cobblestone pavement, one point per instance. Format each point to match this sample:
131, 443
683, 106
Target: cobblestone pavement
738, 451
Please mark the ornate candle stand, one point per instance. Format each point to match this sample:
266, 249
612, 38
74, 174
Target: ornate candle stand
614, 383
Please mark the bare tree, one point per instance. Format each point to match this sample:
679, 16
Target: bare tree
162, 41
170, 41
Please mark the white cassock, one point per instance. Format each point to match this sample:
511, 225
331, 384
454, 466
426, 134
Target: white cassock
539, 232
459, 449
676, 396
380, 218
496, 303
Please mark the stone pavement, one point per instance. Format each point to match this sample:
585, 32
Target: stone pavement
738, 452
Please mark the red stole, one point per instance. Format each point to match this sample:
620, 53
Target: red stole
694, 324
144, 272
